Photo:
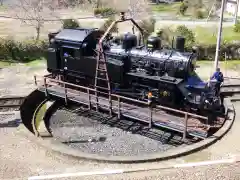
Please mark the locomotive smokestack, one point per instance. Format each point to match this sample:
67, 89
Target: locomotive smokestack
180, 43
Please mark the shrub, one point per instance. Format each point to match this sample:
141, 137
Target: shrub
70, 23
28, 50
104, 12
183, 8
106, 25
166, 35
148, 25
236, 27
22, 51
187, 33
207, 52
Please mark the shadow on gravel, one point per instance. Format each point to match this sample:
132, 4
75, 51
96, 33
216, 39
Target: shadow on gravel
10, 124
101, 139
162, 135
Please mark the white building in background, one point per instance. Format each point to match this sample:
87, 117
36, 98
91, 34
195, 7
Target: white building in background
231, 7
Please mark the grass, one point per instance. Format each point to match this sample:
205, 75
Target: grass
3, 8
173, 7
209, 35
35, 62
40, 116
7, 63
231, 64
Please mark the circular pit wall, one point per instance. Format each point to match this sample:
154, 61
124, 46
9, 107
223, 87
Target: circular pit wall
93, 135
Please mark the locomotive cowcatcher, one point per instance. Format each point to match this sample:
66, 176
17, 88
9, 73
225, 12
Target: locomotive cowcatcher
133, 69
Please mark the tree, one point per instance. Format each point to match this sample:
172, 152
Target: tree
34, 12
139, 9
70, 23
1, 2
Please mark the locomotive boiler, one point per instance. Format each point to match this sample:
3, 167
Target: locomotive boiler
134, 70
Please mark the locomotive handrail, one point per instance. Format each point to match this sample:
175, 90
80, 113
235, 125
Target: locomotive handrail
126, 98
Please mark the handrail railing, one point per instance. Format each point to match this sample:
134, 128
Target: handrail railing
118, 99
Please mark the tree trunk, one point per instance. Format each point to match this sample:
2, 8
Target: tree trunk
98, 3
38, 28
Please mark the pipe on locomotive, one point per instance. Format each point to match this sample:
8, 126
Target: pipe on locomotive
122, 19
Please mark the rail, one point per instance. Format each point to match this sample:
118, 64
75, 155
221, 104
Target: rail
48, 81
7, 103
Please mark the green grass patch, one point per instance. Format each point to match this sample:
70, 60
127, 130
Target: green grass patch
34, 63
40, 116
3, 8
231, 64
5, 64
174, 7
208, 35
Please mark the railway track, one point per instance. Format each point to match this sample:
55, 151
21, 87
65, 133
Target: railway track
230, 89
10, 103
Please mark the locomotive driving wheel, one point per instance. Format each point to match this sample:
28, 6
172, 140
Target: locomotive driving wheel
187, 106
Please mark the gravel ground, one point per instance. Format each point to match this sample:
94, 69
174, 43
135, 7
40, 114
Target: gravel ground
18, 79
95, 133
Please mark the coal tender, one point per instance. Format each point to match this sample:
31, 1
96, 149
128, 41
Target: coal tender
134, 70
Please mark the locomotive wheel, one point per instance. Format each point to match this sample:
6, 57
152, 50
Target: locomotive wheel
187, 107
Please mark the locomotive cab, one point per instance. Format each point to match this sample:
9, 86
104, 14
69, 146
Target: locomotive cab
73, 54
69, 48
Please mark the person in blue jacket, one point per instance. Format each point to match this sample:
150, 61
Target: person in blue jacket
218, 76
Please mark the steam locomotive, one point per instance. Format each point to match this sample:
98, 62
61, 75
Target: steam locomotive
134, 70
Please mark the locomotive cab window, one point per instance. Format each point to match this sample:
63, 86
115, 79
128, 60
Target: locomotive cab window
87, 49
70, 52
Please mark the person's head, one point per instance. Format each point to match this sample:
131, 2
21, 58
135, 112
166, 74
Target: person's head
218, 69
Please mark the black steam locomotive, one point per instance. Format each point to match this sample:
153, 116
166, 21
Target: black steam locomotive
134, 70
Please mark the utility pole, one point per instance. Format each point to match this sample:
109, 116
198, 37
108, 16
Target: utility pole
219, 38
236, 12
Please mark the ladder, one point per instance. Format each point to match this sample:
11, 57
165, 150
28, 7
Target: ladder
101, 76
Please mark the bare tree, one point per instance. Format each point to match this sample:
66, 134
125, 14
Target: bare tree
138, 9
34, 12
